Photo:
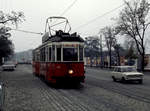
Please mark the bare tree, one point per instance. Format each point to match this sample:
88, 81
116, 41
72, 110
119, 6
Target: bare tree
6, 45
118, 49
12, 18
109, 34
133, 22
130, 47
92, 47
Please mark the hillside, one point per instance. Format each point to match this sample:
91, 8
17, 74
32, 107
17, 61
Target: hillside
23, 57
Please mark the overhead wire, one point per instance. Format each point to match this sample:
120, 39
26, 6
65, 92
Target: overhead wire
98, 17
68, 8
83, 25
28, 31
9, 8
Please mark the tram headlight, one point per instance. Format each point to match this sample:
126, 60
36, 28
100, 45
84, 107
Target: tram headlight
70, 71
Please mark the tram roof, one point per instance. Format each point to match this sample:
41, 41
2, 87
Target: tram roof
60, 36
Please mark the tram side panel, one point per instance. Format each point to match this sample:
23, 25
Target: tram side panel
50, 71
33, 68
36, 68
43, 69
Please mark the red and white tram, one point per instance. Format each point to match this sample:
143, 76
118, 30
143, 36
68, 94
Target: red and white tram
60, 57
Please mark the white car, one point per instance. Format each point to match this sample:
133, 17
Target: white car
127, 73
9, 65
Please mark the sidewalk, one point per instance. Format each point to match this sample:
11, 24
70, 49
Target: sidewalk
147, 72
104, 68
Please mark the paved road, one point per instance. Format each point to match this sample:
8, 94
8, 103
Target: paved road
25, 92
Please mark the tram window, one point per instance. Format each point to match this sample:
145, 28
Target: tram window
44, 54
58, 54
53, 52
70, 54
41, 55
38, 57
50, 54
81, 54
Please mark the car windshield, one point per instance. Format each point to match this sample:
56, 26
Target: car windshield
125, 69
128, 69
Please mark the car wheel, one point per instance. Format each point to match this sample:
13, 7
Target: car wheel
114, 79
123, 80
141, 81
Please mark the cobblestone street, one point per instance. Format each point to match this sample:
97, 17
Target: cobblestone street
25, 92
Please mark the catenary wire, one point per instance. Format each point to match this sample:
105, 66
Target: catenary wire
93, 20
83, 25
28, 31
68, 8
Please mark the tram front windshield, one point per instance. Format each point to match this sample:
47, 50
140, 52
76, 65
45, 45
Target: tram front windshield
70, 54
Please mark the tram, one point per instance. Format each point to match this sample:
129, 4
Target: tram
60, 56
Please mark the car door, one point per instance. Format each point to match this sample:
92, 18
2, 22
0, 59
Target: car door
115, 72
118, 73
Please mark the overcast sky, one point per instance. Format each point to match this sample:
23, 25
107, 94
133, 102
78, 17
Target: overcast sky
37, 11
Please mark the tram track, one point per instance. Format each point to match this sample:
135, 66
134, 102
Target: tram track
52, 99
61, 100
